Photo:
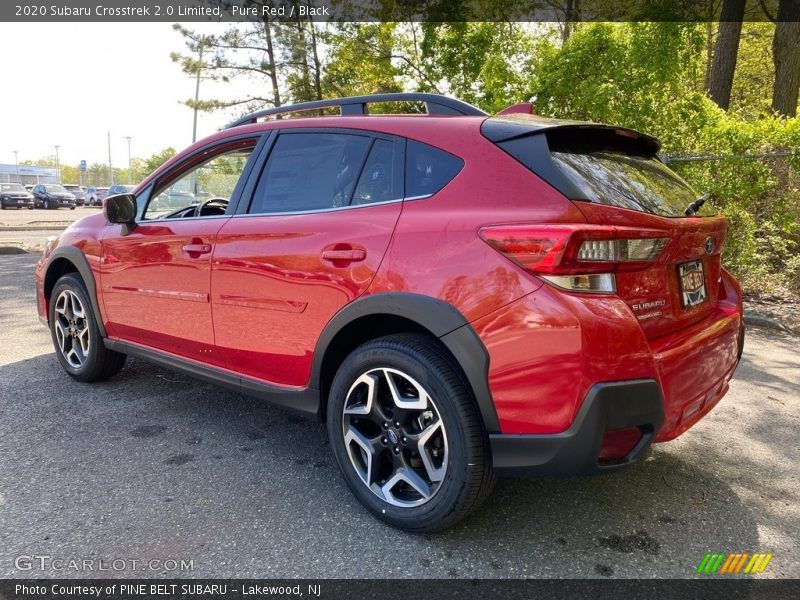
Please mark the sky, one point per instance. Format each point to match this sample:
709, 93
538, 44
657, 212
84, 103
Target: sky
70, 84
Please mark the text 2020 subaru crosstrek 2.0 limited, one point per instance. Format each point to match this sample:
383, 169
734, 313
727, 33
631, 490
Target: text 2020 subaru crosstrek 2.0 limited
456, 295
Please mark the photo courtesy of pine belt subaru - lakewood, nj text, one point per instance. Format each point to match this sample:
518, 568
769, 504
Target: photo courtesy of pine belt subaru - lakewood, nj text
458, 296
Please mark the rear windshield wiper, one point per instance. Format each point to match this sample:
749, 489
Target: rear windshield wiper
696, 205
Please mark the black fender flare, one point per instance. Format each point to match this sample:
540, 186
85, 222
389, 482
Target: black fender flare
440, 318
77, 258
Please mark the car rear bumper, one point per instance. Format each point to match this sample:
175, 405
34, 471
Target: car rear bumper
608, 407
551, 354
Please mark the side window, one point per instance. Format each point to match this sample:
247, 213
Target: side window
204, 189
310, 171
428, 169
377, 181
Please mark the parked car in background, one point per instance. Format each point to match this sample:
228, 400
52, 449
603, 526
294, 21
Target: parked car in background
52, 196
119, 188
13, 195
77, 191
29, 187
96, 195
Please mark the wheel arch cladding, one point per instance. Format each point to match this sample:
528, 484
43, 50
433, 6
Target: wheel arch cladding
378, 315
69, 259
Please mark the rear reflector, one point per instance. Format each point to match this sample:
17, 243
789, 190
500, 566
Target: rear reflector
618, 443
577, 257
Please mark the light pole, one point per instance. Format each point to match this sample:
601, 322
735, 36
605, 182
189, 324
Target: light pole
197, 93
58, 166
16, 165
130, 168
110, 168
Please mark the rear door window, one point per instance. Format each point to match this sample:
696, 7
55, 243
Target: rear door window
310, 172
640, 183
428, 169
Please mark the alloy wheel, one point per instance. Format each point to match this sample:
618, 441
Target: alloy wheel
72, 328
395, 437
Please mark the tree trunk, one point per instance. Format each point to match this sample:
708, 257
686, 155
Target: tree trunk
724, 63
709, 53
571, 10
317, 63
786, 57
273, 67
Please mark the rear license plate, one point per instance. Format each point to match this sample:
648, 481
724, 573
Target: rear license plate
693, 283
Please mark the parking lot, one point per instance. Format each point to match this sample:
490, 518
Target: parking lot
29, 229
152, 465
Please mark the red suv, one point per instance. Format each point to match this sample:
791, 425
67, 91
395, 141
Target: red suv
456, 295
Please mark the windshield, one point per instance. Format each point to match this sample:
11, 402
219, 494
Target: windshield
11, 187
640, 183
55, 189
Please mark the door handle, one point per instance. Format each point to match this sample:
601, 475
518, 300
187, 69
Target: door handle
343, 255
195, 250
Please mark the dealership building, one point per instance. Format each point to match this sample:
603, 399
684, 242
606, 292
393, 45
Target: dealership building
27, 174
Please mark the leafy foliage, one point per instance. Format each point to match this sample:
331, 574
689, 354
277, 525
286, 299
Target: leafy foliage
610, 73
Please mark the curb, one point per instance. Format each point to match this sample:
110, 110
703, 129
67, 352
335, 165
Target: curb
757, 320
8, 250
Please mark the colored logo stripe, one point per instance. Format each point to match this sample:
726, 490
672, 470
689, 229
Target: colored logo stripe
734, 563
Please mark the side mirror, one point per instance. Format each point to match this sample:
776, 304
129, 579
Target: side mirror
121, 209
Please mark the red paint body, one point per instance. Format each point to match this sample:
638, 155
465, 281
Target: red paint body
257, 302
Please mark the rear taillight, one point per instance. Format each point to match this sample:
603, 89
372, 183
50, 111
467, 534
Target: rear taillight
577, 257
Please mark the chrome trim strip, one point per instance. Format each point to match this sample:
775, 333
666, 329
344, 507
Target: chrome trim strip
321, 210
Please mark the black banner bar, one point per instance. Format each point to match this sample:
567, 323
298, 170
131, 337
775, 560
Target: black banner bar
66, 11
710, 588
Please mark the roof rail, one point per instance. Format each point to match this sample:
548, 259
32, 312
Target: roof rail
357, 105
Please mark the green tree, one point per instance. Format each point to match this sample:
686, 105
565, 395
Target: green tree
156, 160
481, 63
360, 60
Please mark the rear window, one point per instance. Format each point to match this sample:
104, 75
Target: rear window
640, 183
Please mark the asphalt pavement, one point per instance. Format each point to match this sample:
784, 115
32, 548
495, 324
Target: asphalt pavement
155, 466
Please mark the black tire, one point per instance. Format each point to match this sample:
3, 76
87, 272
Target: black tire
98, 362
72, 208
468, 477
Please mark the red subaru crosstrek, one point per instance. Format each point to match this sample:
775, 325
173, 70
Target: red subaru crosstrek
457, 295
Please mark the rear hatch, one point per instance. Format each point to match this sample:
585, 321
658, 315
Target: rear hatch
670, 278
